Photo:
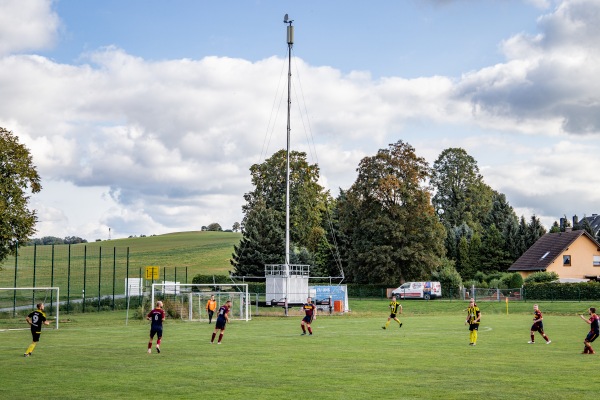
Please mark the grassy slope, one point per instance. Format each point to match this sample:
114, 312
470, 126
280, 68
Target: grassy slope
201, 252
97, 356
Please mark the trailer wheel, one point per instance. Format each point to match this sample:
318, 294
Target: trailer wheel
426, 296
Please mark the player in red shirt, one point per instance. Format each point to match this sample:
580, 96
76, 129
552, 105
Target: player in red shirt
309, 311
594, 331
156, 316
538, 325
222, 320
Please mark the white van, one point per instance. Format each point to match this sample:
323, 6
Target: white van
418, 290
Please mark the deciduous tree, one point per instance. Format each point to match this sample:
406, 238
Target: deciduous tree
460, 193
18, 177
392, 229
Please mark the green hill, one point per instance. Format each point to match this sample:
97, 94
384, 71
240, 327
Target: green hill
199, 252
202, 252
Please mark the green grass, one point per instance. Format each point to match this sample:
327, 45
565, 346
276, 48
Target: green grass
98, 356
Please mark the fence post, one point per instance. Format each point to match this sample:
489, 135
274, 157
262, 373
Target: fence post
140, 298
84, 276
52, 279
127, 276
15, 285
114, 275
34, 265
99, 275
68, 279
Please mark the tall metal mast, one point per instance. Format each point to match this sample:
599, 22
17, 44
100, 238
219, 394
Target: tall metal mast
290, 42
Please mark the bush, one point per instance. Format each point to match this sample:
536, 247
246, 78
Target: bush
541, 277
498, 284
561, 291
515, 280
207, 279
448, 277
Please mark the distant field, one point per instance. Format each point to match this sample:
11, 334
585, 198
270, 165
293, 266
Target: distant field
199, 252
98, 356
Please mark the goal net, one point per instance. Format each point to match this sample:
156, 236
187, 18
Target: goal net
188, 300
17, 302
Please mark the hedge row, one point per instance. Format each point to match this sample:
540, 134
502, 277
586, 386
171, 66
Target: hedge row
562, 291
355, 290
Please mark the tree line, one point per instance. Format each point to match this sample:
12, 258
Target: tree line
401, 220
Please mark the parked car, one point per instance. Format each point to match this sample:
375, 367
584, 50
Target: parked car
418, 290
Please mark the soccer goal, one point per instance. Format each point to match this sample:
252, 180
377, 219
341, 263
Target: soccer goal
188, 300
17, 302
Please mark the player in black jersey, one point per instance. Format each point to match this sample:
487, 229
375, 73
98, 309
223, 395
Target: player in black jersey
36, 319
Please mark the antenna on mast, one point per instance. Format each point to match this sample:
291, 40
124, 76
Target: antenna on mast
287, 283
290, 29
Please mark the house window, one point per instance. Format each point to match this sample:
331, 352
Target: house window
596, 261
566, 261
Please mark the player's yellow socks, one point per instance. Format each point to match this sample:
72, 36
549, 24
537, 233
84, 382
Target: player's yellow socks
474, 336
387, 324
30, 348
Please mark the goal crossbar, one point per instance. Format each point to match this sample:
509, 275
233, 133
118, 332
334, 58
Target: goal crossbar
57, 301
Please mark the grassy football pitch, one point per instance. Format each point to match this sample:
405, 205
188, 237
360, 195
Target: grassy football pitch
98, 356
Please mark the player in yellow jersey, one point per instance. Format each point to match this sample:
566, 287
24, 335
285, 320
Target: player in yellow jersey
473, 319
394, 307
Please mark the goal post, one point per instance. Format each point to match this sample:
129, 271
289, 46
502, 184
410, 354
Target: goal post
15, 302
190, 298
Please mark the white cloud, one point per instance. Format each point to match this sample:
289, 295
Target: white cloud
548, 84
144, 147
27, 25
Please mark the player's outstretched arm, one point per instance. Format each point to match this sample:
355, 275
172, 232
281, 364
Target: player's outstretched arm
585, 319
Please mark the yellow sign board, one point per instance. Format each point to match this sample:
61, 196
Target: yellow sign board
152, 273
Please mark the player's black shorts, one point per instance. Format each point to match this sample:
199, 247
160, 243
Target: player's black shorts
307, 319
221, 322
591, 336
35, 335
473, 327
392, 315
538, 327
156, 330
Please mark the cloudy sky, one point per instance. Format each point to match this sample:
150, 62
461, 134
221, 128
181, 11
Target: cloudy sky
144, 116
